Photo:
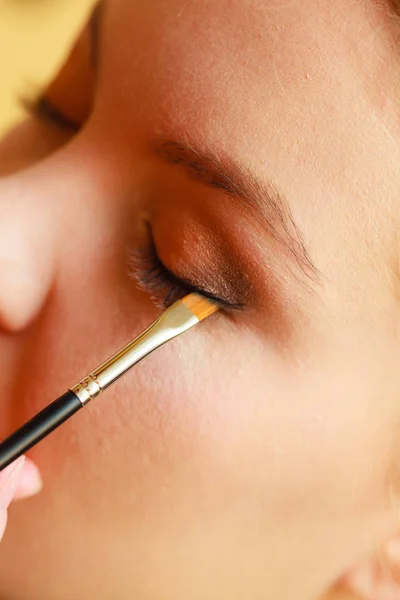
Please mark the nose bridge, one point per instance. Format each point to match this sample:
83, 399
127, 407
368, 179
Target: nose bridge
28, 234
31, 207
50, 214
39, 204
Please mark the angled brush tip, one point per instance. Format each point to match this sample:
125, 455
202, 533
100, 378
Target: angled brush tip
200, 306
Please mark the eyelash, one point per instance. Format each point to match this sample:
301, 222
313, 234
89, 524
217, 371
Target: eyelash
40, 108
152, 276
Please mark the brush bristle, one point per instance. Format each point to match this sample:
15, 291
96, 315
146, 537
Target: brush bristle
200, 306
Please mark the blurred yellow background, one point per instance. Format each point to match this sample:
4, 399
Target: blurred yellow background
34, 39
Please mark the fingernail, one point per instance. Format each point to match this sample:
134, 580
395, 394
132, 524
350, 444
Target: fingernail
30, 482
9, 482
3, 521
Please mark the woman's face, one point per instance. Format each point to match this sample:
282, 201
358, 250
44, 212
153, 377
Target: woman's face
255, 147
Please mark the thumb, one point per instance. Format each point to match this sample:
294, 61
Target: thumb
19, 480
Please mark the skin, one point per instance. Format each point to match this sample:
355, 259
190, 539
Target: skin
257, 455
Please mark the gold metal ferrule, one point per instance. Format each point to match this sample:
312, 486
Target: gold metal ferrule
175, 320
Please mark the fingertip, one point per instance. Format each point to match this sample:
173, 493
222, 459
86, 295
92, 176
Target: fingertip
30, 481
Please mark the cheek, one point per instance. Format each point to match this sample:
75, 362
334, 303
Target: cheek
203, 418
199, 433
184, 415
201, 411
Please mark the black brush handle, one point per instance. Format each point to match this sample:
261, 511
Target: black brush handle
39, 427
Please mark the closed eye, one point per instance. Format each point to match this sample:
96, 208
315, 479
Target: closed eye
164, 286
43, 110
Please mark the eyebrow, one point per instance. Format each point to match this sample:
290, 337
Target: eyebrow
263, 199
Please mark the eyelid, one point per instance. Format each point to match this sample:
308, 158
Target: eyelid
190, 285
42, 109
148, 270
193, 288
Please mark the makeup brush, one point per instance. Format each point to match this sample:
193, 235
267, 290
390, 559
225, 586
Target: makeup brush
177, 319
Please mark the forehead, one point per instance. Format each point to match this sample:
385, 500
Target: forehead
269, 82
235, 69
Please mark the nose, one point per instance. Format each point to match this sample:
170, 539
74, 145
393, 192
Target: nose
26, 252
